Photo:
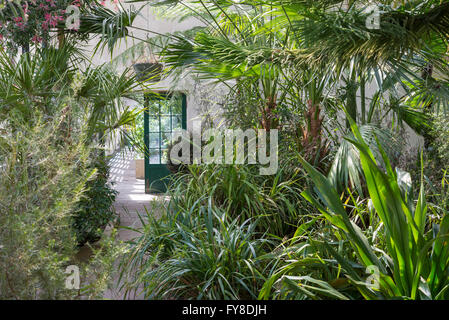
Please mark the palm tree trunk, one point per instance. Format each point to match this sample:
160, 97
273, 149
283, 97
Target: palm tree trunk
426, 74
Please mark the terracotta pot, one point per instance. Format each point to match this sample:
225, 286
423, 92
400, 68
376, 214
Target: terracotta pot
140, 169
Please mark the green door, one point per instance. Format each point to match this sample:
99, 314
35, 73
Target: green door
163, 114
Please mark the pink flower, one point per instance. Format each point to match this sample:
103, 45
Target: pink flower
36, 39
20, 25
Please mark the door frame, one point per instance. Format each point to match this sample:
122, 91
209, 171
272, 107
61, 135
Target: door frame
159, 185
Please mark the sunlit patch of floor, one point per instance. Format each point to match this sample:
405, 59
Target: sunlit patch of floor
130, 202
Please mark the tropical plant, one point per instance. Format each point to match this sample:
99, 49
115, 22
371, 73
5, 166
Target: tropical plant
229, 233
440, 131
51, 118
277, 57
30, 84
414, 263
243, 194
110, 25
200, 255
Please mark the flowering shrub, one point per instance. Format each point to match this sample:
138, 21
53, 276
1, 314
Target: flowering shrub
27, 22
23, 22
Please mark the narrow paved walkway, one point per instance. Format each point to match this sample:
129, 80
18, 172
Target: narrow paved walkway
130, 200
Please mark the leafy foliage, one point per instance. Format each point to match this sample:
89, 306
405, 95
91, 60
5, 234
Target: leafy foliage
414, 264
201, 254
42, 179
317, 72
23, 23
95, 209
239, 191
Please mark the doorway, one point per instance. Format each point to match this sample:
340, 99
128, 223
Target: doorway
164, 113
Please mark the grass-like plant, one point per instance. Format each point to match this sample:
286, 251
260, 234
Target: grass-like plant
201, 253
242, 193
413, 264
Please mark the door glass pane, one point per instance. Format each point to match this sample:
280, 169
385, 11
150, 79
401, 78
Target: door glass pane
154, 156
165, 106
153, 107
165, 124
166, 139
176, 122
164, 155
154, 140
176, 105
153, 124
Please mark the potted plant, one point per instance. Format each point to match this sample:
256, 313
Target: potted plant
148, 70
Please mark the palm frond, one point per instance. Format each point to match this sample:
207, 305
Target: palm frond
110, 25
346, 169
